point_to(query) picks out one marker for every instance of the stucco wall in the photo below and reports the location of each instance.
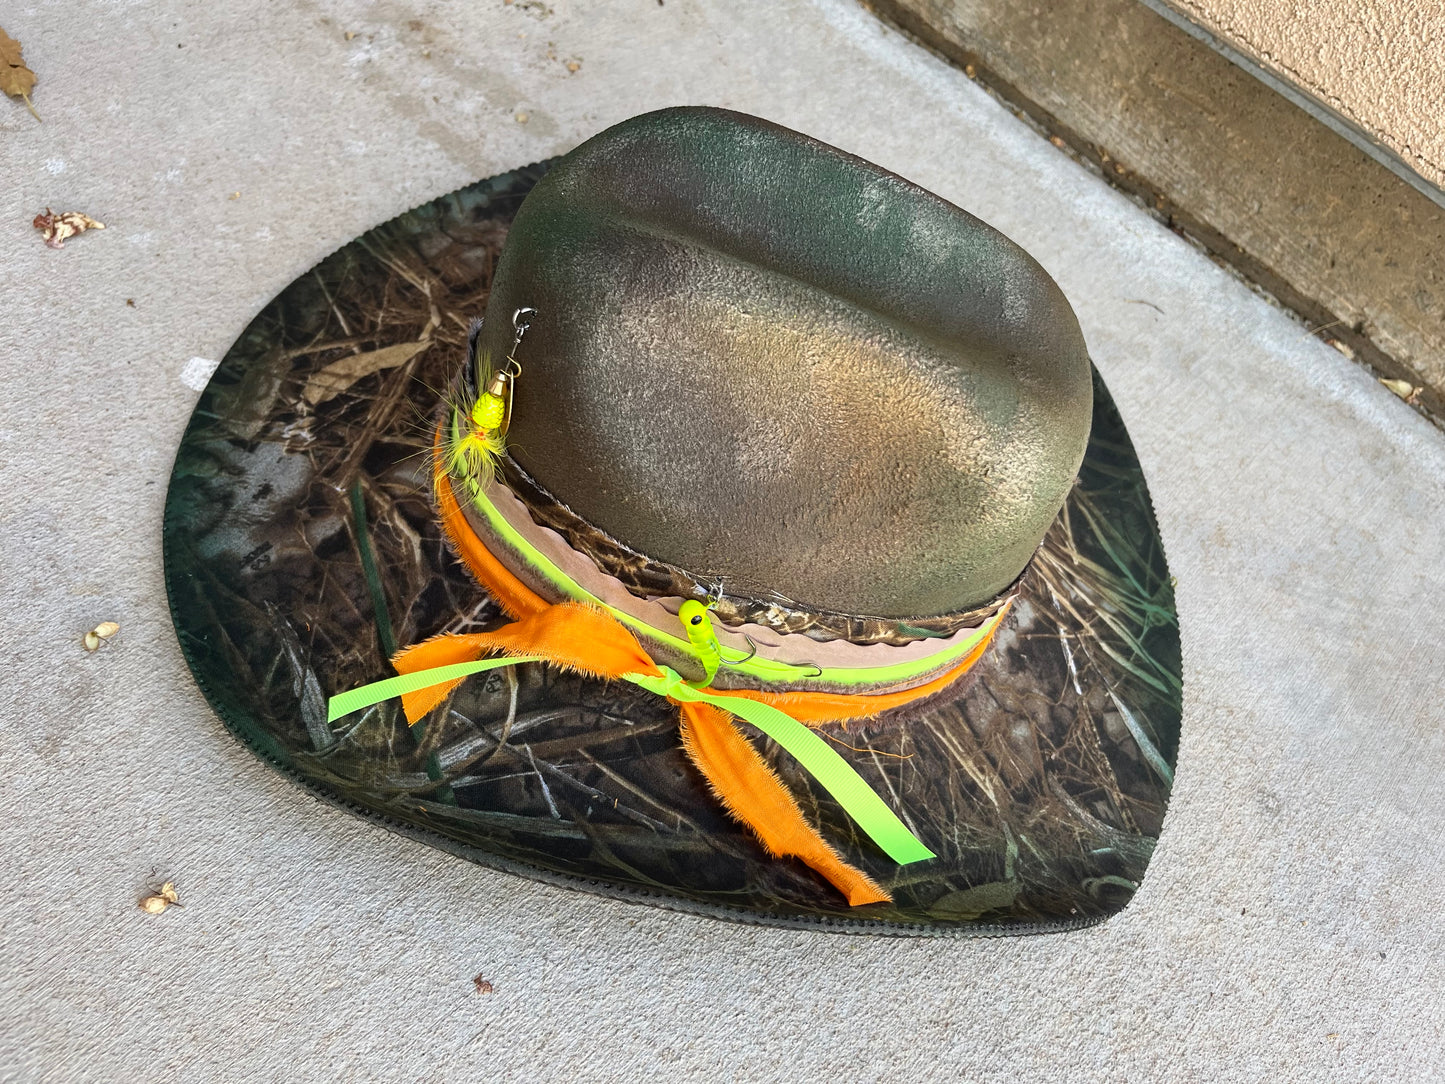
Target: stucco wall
(1378, 63)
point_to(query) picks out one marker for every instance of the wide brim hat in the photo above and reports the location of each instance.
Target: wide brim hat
(993, 753)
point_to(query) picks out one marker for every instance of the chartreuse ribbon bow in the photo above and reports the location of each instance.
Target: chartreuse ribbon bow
(584, 635)
(856, 797)
(583, 638)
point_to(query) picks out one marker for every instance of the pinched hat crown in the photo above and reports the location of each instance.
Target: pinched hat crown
(765, 361)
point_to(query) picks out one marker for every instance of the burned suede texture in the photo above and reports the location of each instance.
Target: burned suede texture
(759, 358)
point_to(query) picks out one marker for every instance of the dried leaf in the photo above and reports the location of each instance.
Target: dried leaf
(335, 378)
(1404, 389)
(57, 227)
(16, 79)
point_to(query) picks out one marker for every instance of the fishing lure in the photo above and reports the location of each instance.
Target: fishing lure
(477, 451)
(697, 622)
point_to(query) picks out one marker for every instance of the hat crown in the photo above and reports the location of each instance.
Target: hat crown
(759, 358)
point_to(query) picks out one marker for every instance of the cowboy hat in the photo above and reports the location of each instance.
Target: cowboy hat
(770, 549)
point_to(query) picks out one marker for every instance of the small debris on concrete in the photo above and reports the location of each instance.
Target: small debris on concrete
(56, 228)
(16, 79)
(521, 118)
(162, 896)
(98, 635)
(483, 986)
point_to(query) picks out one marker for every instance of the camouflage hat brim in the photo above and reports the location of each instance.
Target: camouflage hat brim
(302, 550)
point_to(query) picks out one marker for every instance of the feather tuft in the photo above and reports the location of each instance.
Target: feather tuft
(475, 452)
(475, 455)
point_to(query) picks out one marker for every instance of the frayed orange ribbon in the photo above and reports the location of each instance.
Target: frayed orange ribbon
(587, 640)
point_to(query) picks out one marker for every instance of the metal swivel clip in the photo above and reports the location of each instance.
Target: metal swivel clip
(492, 412)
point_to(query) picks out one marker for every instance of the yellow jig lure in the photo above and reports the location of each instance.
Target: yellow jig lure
(697, 622)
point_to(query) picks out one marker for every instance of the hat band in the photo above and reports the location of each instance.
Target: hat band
(751, 656)
(648, 577)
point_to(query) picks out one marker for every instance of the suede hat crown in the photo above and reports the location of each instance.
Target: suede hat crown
(763, 360)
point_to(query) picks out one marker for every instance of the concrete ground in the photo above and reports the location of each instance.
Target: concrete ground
(1288, 928)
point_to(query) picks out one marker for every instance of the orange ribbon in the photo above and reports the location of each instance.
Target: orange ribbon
(582, 638)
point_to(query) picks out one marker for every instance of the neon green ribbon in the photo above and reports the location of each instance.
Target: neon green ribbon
(367, 695)
(857, 798)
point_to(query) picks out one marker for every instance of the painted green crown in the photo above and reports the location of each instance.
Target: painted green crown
(759, 358)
